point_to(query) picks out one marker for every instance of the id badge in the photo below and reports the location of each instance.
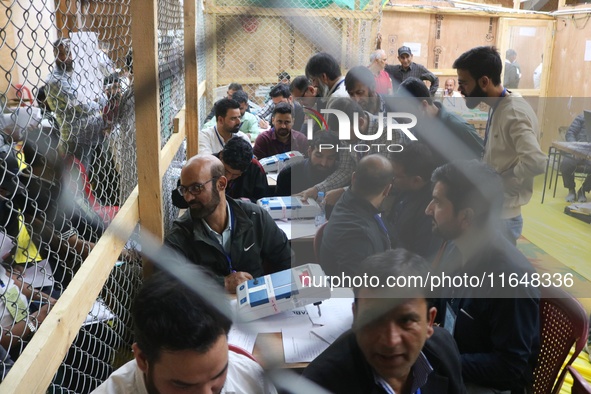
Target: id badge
(450, 319)
(15, 305)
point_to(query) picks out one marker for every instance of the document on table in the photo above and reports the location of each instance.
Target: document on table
(295, 229)
(301, 346)
(336, 318)
(242, 339)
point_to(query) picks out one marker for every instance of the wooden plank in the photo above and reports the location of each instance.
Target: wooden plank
(191, 117)
(334, 12)
(171, 148)
(147, 117)
(201, 89)
(463, 11)
(43, 355)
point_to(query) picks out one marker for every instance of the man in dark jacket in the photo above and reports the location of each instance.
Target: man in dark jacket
(355, 229)
(569, 165)
(230, 237)
(496, 327)
(393, 346)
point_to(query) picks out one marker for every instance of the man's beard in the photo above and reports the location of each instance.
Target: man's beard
(323, 89)
(233, 130)
(200, 210)
(282, 132)
(475, 97)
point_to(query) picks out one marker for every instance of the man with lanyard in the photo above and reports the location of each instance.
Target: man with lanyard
(393, 346)
(231, 238)
(227, 114)
(355, 229)
(325, 73)
(511, 142)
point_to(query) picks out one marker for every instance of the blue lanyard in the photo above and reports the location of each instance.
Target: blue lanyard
(337, 85)
(217, 134)
(381, 223)
(491, 112)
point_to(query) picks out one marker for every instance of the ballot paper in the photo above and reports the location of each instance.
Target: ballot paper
(301, 346)
(242, 339)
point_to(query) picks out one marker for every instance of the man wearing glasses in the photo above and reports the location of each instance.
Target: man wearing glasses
(231, 238)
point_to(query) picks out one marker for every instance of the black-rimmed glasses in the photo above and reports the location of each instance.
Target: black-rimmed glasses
(195, 189)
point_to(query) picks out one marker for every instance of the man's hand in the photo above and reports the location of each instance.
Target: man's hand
(309, 193)
(234, 279)
(263, 124)
(333, 196)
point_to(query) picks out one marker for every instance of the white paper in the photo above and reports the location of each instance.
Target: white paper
(39, 274)
(527, 31)
(242, 339)
(6, 244)
(300, 346)
(98, 313)
(295, 229)
(329, 333)
(588, 51)
(415, 47)
(272, 175)
(335, 311)
(296, 318)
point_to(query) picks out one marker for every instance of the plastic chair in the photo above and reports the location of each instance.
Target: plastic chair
(580, 385)
(563, 322)
(318, 242)
(239, 350)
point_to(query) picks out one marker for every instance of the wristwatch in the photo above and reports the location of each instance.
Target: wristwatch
(32, 327)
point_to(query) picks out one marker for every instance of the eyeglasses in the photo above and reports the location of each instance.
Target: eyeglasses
(195, 189)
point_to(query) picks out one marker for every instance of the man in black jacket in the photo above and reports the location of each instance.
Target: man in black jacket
(230, 237)
(393, 346)
(496, 326)
(355, 229)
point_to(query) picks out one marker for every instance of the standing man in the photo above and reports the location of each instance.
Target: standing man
(496, 328)
(511, 142)
(227, 115)
(407, 68)
(325, 73)
(81, 124)
(361, 86)
(231, 238)
(281, 137)
(377, 63)
(512, 71)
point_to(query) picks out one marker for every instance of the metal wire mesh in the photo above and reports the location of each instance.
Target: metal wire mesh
(67, 162)
(252, 43)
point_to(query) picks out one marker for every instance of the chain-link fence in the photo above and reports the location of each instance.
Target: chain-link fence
(254, 42)
(68, 147)
(68, 162)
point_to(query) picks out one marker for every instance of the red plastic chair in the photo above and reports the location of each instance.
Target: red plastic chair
(580, 385)
(318, 242)
(563, 323)
(239, 350)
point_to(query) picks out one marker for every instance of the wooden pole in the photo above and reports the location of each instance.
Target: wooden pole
(191, 78)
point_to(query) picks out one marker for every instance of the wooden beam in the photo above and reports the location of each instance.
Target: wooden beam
(173, 144)
(202, 89)
(330, 12)
(467, 12)
(191, 78)
(147, 117)
(46, 351)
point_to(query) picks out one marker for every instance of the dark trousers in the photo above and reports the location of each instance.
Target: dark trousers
(568, 167)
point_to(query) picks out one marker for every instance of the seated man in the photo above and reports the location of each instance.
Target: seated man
(249, 123)
(409, 227)
(355, 229)
(321, 162)
(448, 135)
(281, 137)
(393, 346)
(227, 115)
(232, 88)
(569, 165)
(246, 177)
(181, 344)
(231, 238)
(496, 328)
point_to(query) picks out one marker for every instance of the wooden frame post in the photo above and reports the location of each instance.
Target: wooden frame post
(191, 79)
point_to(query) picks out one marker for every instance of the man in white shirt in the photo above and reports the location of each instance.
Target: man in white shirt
(181, 344)
(228, 118)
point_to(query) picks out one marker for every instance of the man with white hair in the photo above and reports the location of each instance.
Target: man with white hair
(377, 65)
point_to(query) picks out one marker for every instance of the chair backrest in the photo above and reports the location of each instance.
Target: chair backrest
(318, 241)
(563, 323)
(239, 350)
(580, 385)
